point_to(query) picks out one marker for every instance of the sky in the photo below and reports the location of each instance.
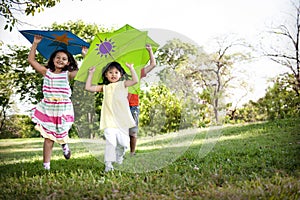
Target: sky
(198, 21)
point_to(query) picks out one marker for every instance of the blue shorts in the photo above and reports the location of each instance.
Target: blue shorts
(135, 111)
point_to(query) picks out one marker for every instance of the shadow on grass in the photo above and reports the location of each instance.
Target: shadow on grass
(20, 145)
(31, 169)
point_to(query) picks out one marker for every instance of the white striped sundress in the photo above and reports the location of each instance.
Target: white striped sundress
(54, 115)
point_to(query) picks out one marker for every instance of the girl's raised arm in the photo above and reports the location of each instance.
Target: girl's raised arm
(31, 57)
(134, 76)
(152, 60)
(72, 74)
(88, 84)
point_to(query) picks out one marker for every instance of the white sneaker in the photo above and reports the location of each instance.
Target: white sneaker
(108, 167)
(120, 155)
(120, 160)
(66, 151)
(46, 166)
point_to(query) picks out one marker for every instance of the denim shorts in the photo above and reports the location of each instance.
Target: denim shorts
(135, 111)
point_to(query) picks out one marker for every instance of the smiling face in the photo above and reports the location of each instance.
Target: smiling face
(60, 60)
(113, 75)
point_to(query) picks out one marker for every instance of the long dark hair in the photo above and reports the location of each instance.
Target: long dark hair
(72, 62)
(110, 66)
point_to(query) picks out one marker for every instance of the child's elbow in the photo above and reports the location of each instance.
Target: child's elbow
(30, 60)
(87, 88)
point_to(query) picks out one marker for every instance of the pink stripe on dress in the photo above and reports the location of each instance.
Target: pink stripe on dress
(55, 88)
(58, 136)
(52, 119)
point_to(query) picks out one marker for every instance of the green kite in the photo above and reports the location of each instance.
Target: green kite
(126, 44)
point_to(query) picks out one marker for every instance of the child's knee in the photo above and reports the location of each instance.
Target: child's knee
(48, 142)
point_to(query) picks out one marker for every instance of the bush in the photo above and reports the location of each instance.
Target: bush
(19, 126)
(160, 111)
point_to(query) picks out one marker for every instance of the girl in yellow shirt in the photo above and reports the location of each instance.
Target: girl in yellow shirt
(116, 118)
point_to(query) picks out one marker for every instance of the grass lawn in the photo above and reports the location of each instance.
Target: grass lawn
(253, 161)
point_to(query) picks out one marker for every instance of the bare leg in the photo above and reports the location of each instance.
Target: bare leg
(132, 145)
(48, 145)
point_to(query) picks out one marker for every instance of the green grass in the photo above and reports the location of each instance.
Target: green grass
(254, 161)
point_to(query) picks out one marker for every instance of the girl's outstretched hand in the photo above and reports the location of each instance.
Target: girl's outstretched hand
(37, 39)
(129, 65)
(134, 80)
(84, 50)
(92, 69)
(148, 47)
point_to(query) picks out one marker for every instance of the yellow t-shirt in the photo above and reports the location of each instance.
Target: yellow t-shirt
(115, 112)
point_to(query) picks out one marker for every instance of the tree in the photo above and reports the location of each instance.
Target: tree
(280, 101)
(160, 111)
(285, 46)
(9, 9)
(6, 85)
(175, 53)
(209, 75)
(176, 57)
(17, 80)
(217, 70)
